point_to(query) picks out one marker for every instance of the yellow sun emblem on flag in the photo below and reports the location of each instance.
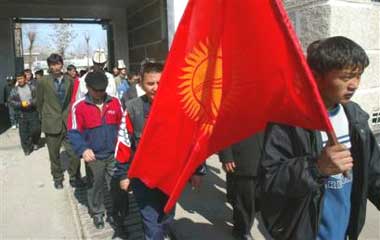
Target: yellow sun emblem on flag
(201, 91)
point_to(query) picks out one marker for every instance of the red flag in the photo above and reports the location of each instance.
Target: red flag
(233, 66)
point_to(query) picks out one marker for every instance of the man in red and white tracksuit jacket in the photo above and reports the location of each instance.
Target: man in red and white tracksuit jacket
(93, 135)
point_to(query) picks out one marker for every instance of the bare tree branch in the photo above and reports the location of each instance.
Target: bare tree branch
(62, 36)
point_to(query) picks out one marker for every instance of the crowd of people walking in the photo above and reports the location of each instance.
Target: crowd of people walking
(295, 177)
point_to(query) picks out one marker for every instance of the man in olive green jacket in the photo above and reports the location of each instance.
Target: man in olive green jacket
(53, 101)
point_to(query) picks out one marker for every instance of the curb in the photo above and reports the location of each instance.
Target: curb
(74, 208)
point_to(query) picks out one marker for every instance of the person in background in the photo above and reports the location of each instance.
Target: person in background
(115, 72)
(82, 73)
(13, 113)
(39, 74)
(99, 60)
(134, 90)
(240, 161)
(121, 80)
(29, 77)
(23, 98)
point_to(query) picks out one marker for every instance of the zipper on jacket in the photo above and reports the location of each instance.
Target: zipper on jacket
(317, 146)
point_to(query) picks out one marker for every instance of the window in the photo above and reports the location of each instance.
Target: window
(375, 120)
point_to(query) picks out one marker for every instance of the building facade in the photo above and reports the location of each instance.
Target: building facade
(145, 28)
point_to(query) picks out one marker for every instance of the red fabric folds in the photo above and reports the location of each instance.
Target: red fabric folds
(233, 67)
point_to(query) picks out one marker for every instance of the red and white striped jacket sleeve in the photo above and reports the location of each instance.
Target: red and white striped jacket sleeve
(123, 145)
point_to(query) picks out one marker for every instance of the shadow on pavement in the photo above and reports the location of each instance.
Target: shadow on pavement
(210, 203)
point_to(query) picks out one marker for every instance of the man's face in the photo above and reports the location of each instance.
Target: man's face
(21, 81)
(150, 84)
(123, 71)
(38, 77)
(134, 79)
(97, 95)
(28, 76)
(115, 71)
(338, 86)
(72, 73)
(56, 68)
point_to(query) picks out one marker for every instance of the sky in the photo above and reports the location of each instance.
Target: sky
(98, 36)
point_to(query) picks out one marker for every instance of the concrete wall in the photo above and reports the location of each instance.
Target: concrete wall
(147, 32)
(116, 15)
(175, 9)
(356, 19)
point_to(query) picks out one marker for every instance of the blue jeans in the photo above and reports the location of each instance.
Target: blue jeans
(151, 203)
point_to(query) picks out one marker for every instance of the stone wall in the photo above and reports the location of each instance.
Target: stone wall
(356, 19)
(147, 32)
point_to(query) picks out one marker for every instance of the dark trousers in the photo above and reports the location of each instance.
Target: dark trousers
(29, 127)
(13, 115)
(120, 200)
(100, 172)
(243, 202)
(151, 203)
(54, 143)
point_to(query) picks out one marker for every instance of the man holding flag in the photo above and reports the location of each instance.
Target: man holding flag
(210, 98)
(312, 188)
(233, 67)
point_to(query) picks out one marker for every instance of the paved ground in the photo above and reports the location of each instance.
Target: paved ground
(32, 209)
(133, 223)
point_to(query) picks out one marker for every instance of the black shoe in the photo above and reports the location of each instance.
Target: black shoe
(112, 221)
(98, 221)
(77, 182)
(27, 152)
(35, 147)
(58, 184)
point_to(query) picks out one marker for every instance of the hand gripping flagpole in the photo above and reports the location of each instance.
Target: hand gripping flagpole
(332, 140)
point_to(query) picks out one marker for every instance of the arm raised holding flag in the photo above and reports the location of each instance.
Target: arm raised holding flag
(233, 67)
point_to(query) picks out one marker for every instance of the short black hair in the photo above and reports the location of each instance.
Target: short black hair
(82, 72)
(20, 74)
(151, 67)
(71, 67)
(39, 72)
(336, 53)
(54, 58)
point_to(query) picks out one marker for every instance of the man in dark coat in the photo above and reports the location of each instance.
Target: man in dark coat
(240, 162)
(312, 188)
(53, 100)
(23, 98)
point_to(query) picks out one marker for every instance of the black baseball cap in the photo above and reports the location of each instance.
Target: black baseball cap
(97, 80)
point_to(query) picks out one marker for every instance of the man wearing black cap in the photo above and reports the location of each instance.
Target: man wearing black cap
(93, 135)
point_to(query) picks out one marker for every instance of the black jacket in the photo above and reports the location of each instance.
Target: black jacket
(246, 155)
(291, 187)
